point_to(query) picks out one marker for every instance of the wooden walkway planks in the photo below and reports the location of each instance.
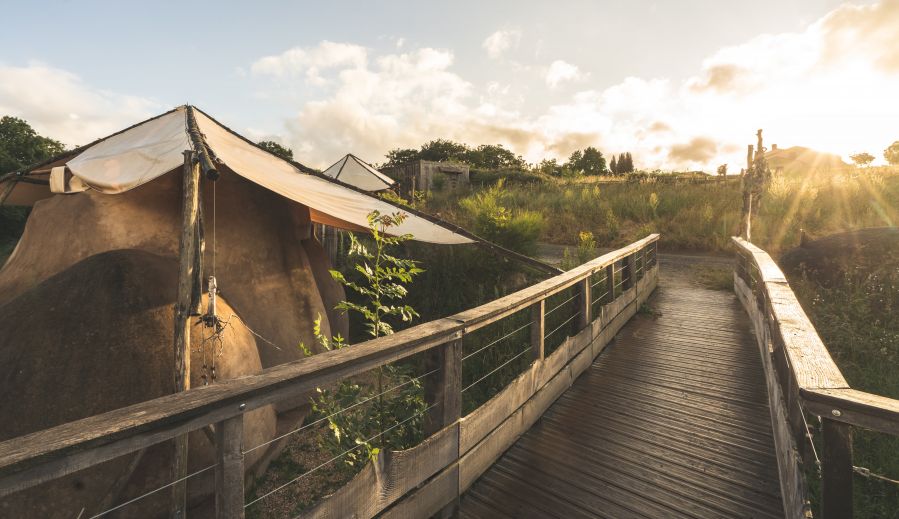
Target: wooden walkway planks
(670, 421)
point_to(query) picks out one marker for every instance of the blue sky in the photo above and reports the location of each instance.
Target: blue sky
(540, 77)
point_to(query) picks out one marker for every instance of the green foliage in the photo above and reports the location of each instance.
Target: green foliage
(485, 156)
(589, 161)
(854, 312)
(276, 149)
(517, 230)
(400, 156)
(371, 422)
(585, 251)
(862, 159)
(21, 146)
(891, 154)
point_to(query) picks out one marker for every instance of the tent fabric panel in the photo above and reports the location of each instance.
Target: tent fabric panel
(359, 174)
(134, 157)
(334, 170)
(317, 193)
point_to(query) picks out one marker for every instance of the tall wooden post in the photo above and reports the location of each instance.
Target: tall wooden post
(610, 283)
(188, 274)
(746, 213)
(583, 305)
(836, 470)
(538, 329)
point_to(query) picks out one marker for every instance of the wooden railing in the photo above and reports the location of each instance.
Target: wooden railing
(802, 378)
(419, 481)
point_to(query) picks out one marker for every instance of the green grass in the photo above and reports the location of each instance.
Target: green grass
(690, 216)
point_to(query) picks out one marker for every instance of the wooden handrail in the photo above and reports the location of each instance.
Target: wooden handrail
(807, 377)
(45, 455)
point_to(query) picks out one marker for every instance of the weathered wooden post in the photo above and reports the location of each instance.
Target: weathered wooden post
(443, 393)
(443, 389)
(188, 275)
(538, 329)
(836, 469)
(745, 213)
(229, 468)
(610, 281)
(583, 304)
(630, 263)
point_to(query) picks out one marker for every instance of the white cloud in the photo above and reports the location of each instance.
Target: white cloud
(311, 62)
(501, 41)
(561, 71)
(58, 104)
(801, 87)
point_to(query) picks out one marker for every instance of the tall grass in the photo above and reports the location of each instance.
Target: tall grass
(690, 216)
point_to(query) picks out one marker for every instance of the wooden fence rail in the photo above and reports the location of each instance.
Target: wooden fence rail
(802, 378)
(415, 482)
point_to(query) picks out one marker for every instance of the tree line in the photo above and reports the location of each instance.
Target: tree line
(588, 161)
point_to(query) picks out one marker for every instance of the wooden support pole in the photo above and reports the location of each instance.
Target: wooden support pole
(583, 305)
(187, 274)
(229, 468)
(629, 269)
(538, 329)
(836, 470)
(746, 213)
(610, 282)
(443, 389)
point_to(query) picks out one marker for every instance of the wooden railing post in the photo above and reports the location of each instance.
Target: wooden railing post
(538, 328)
(836, 470)
(610, 281)
(229, 468)
(583, 305)
(443, 389)
(629, 269)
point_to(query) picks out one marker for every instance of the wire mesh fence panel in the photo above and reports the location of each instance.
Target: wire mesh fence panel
(493, 356)
(562, 310)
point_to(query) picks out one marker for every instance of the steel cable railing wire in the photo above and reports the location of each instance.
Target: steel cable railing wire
(335, 458)
(345, 409)
(560, 305)
(138, 498)
(504, 337)
(504, 364)
(548, 335)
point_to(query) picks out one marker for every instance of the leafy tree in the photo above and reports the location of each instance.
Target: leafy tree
(722, 170)
(629, 163)
(613, 166)
(442, 150)
(399, 156)
(862, 159)
(590, 161)
(21, 146)
(891, 154)
(276, 149)
(549, 167)
(493, 156)
(381, 280)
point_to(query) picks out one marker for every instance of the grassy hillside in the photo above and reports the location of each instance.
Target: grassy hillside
(690, 216)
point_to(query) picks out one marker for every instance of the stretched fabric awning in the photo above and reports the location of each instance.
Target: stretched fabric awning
(356, 172)
(150, 149)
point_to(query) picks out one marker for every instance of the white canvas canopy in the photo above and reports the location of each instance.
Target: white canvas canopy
(150, 149)
(356, 172)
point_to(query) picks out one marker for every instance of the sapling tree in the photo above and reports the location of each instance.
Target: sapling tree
(379, 279)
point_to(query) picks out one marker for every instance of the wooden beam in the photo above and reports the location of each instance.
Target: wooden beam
(583, 305)
(187, 283)
(229, 469)
(836, 470)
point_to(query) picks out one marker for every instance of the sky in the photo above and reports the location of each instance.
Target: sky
(681, 85)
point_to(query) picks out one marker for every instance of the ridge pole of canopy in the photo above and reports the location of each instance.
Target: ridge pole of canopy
(207, 164)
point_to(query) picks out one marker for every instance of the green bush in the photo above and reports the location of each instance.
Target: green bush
(517, 230)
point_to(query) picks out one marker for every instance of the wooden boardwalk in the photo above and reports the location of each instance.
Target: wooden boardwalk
(671, 420)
